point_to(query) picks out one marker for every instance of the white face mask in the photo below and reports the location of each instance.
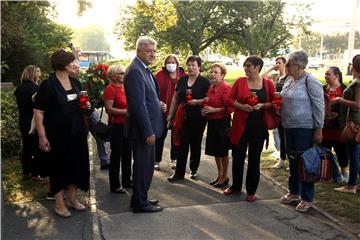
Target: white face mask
(171, 67)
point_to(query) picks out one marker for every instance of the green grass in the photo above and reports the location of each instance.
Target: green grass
(15, 189)
(339, 204)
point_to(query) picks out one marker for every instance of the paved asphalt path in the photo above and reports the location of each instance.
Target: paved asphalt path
(192, 210)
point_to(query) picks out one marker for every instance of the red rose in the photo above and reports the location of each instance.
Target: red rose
(99, 66)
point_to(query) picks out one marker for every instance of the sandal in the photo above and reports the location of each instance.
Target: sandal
(64, 214)
(346, 189)
(288, 198)
(76, 206)
(303, 206)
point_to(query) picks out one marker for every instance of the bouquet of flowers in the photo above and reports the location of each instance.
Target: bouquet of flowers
(94, 81)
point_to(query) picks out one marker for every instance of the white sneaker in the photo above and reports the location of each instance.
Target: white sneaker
(345, 177)
(157, 166)
(173, 164)
(279, 164)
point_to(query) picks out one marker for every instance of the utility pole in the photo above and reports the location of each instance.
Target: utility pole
(321, 46)
(351, 41)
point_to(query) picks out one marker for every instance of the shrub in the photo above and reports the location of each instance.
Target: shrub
(10, 131)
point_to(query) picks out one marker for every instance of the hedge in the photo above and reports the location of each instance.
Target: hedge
(10, 131)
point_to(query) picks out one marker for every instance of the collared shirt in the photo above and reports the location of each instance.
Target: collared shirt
(217, 99)
(147, 69)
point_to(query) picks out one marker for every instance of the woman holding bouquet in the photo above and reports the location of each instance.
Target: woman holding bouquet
(116, 108)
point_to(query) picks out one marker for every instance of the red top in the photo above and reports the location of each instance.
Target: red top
(217, 99)
(331, 130)
(167, 85)
(240, 92)
(116, 93)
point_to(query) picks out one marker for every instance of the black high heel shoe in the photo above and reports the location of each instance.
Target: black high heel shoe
(223, 184)
(214, 181)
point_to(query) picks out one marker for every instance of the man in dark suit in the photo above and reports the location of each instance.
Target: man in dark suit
(144, 123)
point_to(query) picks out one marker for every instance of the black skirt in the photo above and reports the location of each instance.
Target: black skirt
(217, 140)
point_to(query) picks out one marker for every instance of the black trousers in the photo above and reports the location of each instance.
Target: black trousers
(29, 157)
(192, 137)
(340, 151)
(253, 138)
(282, 142)
(120, 152)
(143, 171)
(160, 146)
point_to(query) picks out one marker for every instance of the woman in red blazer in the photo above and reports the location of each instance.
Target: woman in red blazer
(249, 97)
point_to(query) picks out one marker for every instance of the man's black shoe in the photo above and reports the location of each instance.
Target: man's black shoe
(105, 167)
(147, 209)
(173, 178)
(153, 202)
(128, 185)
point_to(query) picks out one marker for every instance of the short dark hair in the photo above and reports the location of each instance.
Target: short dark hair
(281, 58)
(194, 58)
(256, 61)
(356, 63)
(60, 59)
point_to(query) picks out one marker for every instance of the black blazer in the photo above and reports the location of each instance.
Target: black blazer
(23, 94)
(142, 95)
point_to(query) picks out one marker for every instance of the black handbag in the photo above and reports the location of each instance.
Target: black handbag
(102, 130)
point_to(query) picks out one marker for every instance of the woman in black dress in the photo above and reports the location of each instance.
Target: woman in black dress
(24, 92)
(60, 126)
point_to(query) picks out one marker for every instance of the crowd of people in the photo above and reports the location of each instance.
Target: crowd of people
(143, 106)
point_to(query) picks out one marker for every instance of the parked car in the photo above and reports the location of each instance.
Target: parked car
(313, 64)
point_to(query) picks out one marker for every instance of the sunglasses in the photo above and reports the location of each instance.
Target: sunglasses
(121, 73)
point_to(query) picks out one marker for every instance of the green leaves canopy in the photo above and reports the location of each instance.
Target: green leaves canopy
(28, 36)
(247, 27)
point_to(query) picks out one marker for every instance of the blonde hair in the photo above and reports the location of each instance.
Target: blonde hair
(31, 73)
(114, 69)
(221, 66)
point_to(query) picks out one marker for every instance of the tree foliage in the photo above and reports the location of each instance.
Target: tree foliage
(82, 6)
(333, 44)
(91, 38)
(28, 36)
(246, 26)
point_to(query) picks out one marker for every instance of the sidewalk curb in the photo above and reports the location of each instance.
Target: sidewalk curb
(321, 211)
(95, 221)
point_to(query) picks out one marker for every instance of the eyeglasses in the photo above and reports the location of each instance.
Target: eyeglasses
(121, 73)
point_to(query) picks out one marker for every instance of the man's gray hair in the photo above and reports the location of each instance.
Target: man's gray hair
(144, 40)
(299, 57)
(115, 69)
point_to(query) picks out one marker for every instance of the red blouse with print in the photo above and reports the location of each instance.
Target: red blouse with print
(331, 130)
(217, 99)
(117, 94)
